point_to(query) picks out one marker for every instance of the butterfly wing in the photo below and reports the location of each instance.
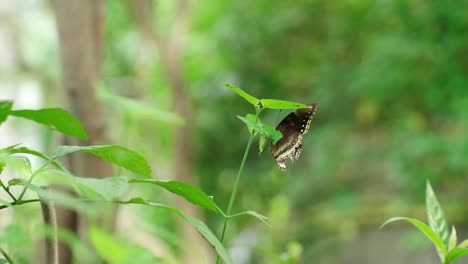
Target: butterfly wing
(293, 127)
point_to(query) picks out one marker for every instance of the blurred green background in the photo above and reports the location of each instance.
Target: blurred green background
(391, 81)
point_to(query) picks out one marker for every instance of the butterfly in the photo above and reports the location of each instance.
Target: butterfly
(293, 127)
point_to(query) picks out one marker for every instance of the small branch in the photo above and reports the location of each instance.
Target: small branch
(10, 261)
(7, 190)
(20, 202)
(31, 179)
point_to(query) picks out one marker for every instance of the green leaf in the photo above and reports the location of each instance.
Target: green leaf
(55, 118)
(107, 188)
(192, 193)
(61, 198)
(260, 217)
(280, 104)
(6, 203)
(3, 261)
(5, 108)
(425, 229)
(273, 134)
(14, 181)
(262, 143)
(118, 155)
(453, 239)
(436, 217)
(464, 244)
(199, 226)
(140, 109)
(25, 150)
(249, 98)
(251, 124)
(107, 247)
(91, 188)
(454, 254)
(116, 251)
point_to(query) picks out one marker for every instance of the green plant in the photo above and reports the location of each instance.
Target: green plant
(266, 132)
(88, 190)
(437, 230)
(91, 190)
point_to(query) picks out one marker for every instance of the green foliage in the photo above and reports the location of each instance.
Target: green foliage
(118, 155)
(199, 225)
(437, 230)
(192, 193)
(54, 118)
(91, 190)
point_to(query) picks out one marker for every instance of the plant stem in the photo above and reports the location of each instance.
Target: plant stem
(6, 256)
(234, 190)
(20, 202)
(32, 178)
(8, 191)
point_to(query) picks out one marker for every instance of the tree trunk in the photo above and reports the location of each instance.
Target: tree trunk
(79, 26)
(171, 50)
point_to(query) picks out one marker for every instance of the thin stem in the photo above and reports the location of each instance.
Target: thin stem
(8, 191)
(234, 190)
(20, 202)
(31, 179)
(6, 256)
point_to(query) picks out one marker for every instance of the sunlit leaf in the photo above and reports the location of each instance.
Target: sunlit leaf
(140, 109)
(106, 188)
(192, 193)
(425, 229)
(199, 226)
(249, 98)
(262, 143)
(273, 134)
(453, 239)
(464, 244)
(455, 254)
(252, 125)
(61, 198)
(55, 118)
(436, 217)
(280, 104)
(116, 154)
(117, 251)
(260, 217)
(5, 107)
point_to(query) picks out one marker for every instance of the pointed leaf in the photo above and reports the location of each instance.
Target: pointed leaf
(260, 217)
(55, 118)
(453, 239)
(251, 124)
(192, 193)
(464, 244)
(280, 104)
(262, 143)
(116, 154)
(454, 254)
(107, 188)
(199, 226)
(249, 98)
(425, 229)
(140, 109)
(273, 134)
(5, 108)
(436, 217)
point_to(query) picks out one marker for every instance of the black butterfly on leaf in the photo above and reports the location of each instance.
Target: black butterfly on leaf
(293, 127)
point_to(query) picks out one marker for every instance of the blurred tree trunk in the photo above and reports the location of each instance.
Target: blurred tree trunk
(171, 50)
(79, 25)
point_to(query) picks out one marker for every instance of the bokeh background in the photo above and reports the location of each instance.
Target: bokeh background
(390, 78)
